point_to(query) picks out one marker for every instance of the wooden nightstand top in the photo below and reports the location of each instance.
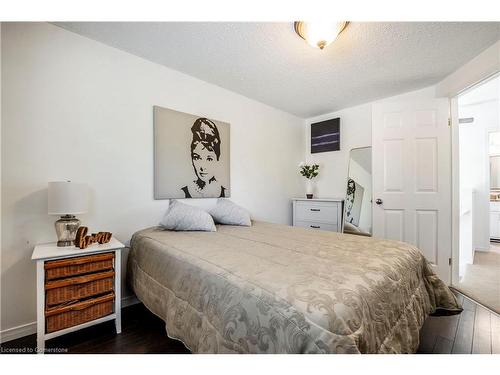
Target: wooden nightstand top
(51, 251)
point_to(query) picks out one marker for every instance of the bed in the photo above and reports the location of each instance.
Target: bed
(272, 288)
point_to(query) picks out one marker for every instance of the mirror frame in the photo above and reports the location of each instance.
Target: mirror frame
(345, 200)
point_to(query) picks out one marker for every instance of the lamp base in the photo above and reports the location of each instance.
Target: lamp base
(65, 243)
(66, 228)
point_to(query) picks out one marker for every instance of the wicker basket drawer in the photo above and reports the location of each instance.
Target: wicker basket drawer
(57, 269)
(79, 287)
(61, 317)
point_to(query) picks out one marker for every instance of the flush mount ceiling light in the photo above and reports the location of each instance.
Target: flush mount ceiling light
(319, 34)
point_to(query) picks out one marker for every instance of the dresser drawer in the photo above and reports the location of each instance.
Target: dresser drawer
(322, 212)
(77, 288)
(316, 225)
(57, 269)
(65, 316)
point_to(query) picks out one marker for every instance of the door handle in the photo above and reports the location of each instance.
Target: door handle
(315, 226)
(379, 201)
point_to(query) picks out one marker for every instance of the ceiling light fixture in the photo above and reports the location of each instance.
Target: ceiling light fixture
(319, 34)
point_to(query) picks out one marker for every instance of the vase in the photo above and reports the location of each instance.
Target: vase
(309, 188)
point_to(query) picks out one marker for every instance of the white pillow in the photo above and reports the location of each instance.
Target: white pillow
(227, 212)
(180, 216)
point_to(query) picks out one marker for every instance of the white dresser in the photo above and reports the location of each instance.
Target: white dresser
(323, 214)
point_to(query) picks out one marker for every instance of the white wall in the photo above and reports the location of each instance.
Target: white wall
(466, 222)
(474, 178)
(76, 109)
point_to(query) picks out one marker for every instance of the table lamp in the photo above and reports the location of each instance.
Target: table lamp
(67, 199)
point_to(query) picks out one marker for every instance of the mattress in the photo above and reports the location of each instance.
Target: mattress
(272, 288)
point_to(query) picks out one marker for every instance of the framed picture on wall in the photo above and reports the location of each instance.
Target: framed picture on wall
(325, 136)
(191, 155)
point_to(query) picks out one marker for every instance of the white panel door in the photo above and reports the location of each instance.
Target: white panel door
(412, 177)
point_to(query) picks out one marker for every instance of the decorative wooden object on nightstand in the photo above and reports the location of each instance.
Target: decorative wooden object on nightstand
(323, 214)
(76, 288)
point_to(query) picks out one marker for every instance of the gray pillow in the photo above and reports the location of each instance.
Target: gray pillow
(227, 212)
(180, 216)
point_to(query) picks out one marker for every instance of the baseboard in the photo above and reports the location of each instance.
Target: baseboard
(483, 249)
(17, 332)
(30, 328)
(129, 301)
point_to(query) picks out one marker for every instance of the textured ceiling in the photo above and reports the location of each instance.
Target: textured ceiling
(270, 63)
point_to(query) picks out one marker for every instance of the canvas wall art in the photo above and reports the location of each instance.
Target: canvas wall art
(325, 136)
(191, 156)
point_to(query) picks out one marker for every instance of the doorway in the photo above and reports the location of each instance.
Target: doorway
(476, 138)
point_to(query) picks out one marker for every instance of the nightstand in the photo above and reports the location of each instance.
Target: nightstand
(323, 214)
(76, 288)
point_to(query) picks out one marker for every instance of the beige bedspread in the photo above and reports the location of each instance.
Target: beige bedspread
(277, 289)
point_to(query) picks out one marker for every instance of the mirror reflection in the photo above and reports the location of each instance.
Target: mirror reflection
(358, 202)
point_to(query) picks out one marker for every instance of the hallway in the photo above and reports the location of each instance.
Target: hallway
(481, 279)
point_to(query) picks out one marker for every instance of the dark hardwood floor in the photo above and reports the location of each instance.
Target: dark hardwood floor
(142, 332)
(476, 330)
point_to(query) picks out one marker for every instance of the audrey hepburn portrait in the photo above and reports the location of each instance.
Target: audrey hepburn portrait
(205, 155)
(191, 156)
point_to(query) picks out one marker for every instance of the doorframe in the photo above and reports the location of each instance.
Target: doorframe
(455, 177)
(455, 191)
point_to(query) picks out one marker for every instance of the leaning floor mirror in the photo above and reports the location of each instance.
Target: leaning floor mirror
(358, 202)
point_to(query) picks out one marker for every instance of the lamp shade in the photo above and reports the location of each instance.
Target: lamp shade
(67, 198)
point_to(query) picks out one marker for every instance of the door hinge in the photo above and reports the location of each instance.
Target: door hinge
(449, 121)
(449, 261)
